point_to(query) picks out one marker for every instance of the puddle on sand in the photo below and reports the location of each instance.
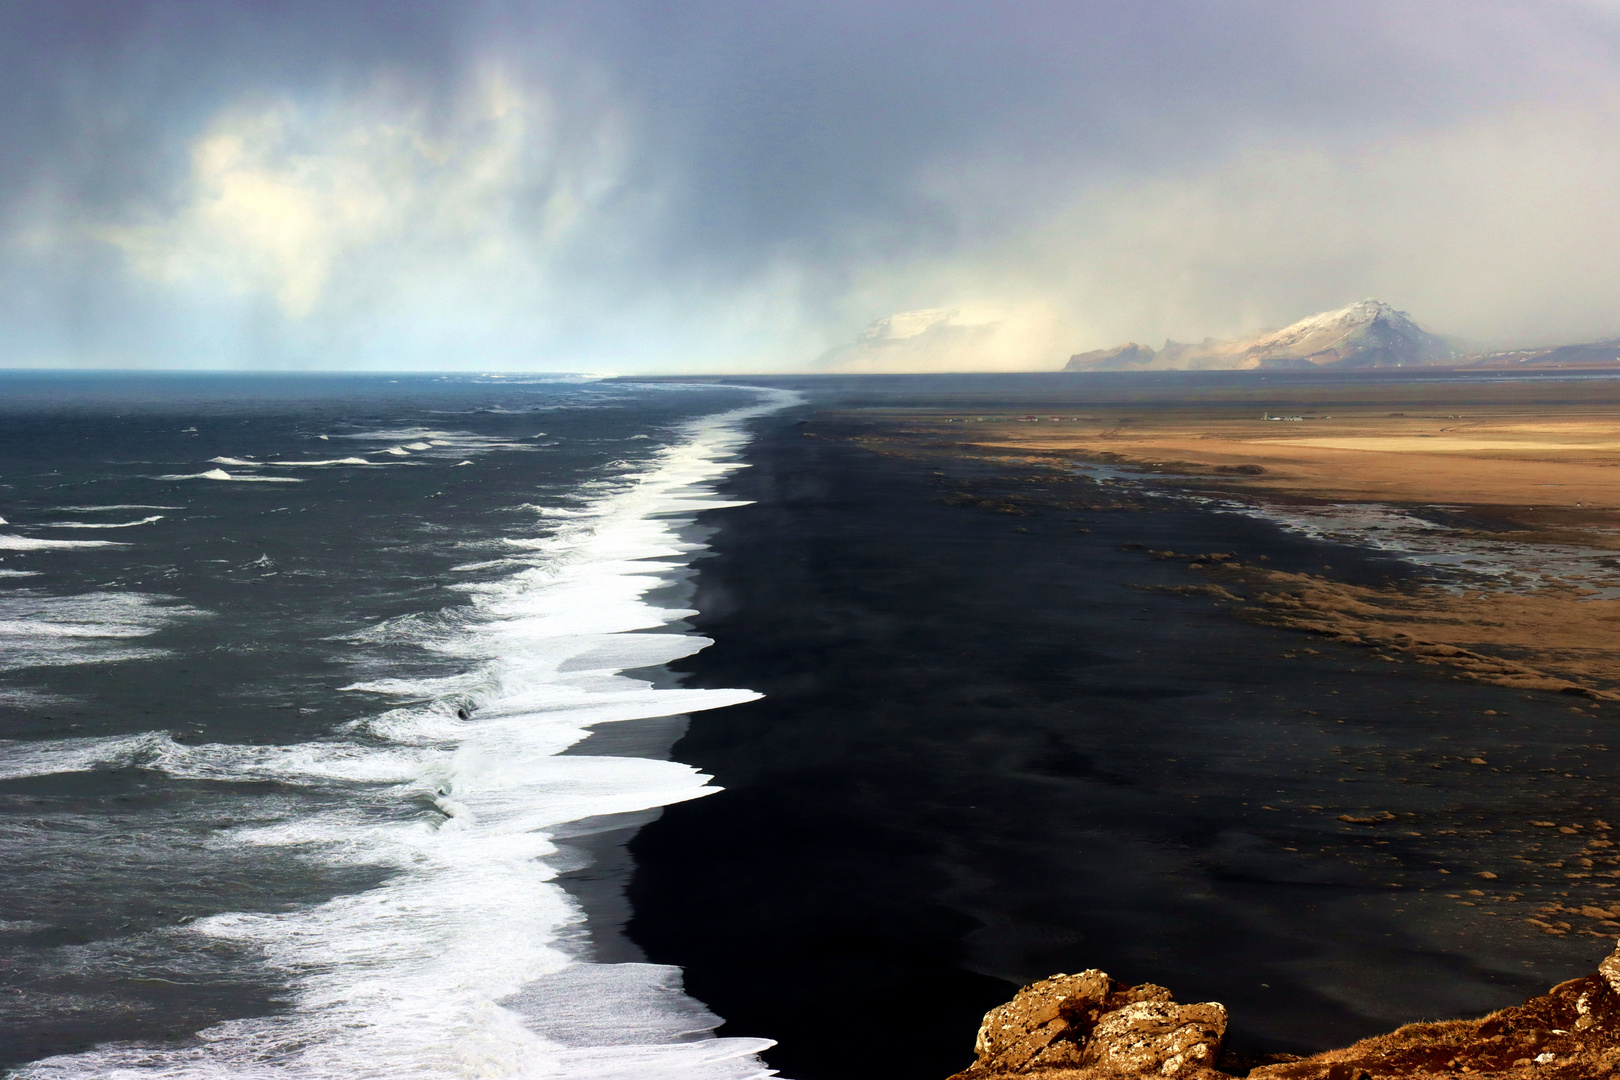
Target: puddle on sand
(1402, 532)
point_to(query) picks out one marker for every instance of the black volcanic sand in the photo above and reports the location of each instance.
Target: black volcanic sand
(986, 754)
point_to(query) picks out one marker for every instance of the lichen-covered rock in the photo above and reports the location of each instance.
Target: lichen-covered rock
(1157, 1038)
(1014, 1033)
(1610, 970)
(1089, 1026)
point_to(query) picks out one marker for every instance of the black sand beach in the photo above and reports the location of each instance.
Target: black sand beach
(989, 751)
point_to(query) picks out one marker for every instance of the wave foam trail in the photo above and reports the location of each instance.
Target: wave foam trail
(468, 961)
(9, 542)
(221, 474)
(41, 630)
(329, 461)
(115, 506)
(99, 525)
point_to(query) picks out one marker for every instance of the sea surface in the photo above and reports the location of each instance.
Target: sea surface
(297, 675)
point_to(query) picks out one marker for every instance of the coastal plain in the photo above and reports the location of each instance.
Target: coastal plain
(1511, 466)
(1531, 454)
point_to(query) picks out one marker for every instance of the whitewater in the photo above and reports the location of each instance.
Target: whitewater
(453, 788)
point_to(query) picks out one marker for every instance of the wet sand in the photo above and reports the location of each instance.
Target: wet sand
(1000, 739)
(1526, 468)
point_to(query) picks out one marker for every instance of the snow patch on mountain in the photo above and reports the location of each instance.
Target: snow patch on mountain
(1366, 334)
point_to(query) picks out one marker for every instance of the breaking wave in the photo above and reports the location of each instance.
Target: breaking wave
(221, 474)
(464, 961)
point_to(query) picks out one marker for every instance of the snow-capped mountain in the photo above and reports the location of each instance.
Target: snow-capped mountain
(1366, 334)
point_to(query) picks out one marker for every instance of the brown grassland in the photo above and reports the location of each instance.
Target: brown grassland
(1534, 465)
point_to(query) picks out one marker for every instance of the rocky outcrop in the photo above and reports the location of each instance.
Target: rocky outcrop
(1087, 1027)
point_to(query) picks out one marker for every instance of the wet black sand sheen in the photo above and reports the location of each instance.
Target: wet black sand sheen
(986, 754)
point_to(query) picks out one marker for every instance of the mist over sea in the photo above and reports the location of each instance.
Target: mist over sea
(290, 667)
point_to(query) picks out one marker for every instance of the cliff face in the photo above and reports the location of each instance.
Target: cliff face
(1367, 334)
(1088, 1027)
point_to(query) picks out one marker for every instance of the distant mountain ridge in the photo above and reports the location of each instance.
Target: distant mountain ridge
(1597, 354)
(1366, 334)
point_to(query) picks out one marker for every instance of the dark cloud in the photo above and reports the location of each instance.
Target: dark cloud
(756, 180)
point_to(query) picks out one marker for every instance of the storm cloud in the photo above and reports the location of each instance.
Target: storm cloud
(712, 185)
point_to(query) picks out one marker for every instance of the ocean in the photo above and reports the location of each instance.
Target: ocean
(309, 687)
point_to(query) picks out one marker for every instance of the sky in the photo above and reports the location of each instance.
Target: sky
(730, 186)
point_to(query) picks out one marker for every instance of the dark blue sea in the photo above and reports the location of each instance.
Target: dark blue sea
(294, 677)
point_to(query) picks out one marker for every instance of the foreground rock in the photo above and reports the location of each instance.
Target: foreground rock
(1088, 1027)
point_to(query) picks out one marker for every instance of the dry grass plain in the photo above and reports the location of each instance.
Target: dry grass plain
(1563, 468)
(1533, 466)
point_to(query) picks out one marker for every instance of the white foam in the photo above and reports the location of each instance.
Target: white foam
(488, 564)
(404, 441)
(221, 474)
(50, 757)
(9, 542)
(231, 461)
(99, 525)
(115, 506)
(329, 461)
(461, 964)
(41, 630)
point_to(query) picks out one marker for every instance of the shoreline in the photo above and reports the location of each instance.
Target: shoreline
(985, 754)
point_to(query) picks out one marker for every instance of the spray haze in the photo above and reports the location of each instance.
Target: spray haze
(719, 186)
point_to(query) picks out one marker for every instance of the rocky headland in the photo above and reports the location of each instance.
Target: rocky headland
(1092, 1027)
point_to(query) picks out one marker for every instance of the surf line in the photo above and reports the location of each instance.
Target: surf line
(464, 961)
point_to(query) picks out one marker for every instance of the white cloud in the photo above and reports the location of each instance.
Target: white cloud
(375, 204)
(948, 339)
(1502, 229)
(562, 217)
